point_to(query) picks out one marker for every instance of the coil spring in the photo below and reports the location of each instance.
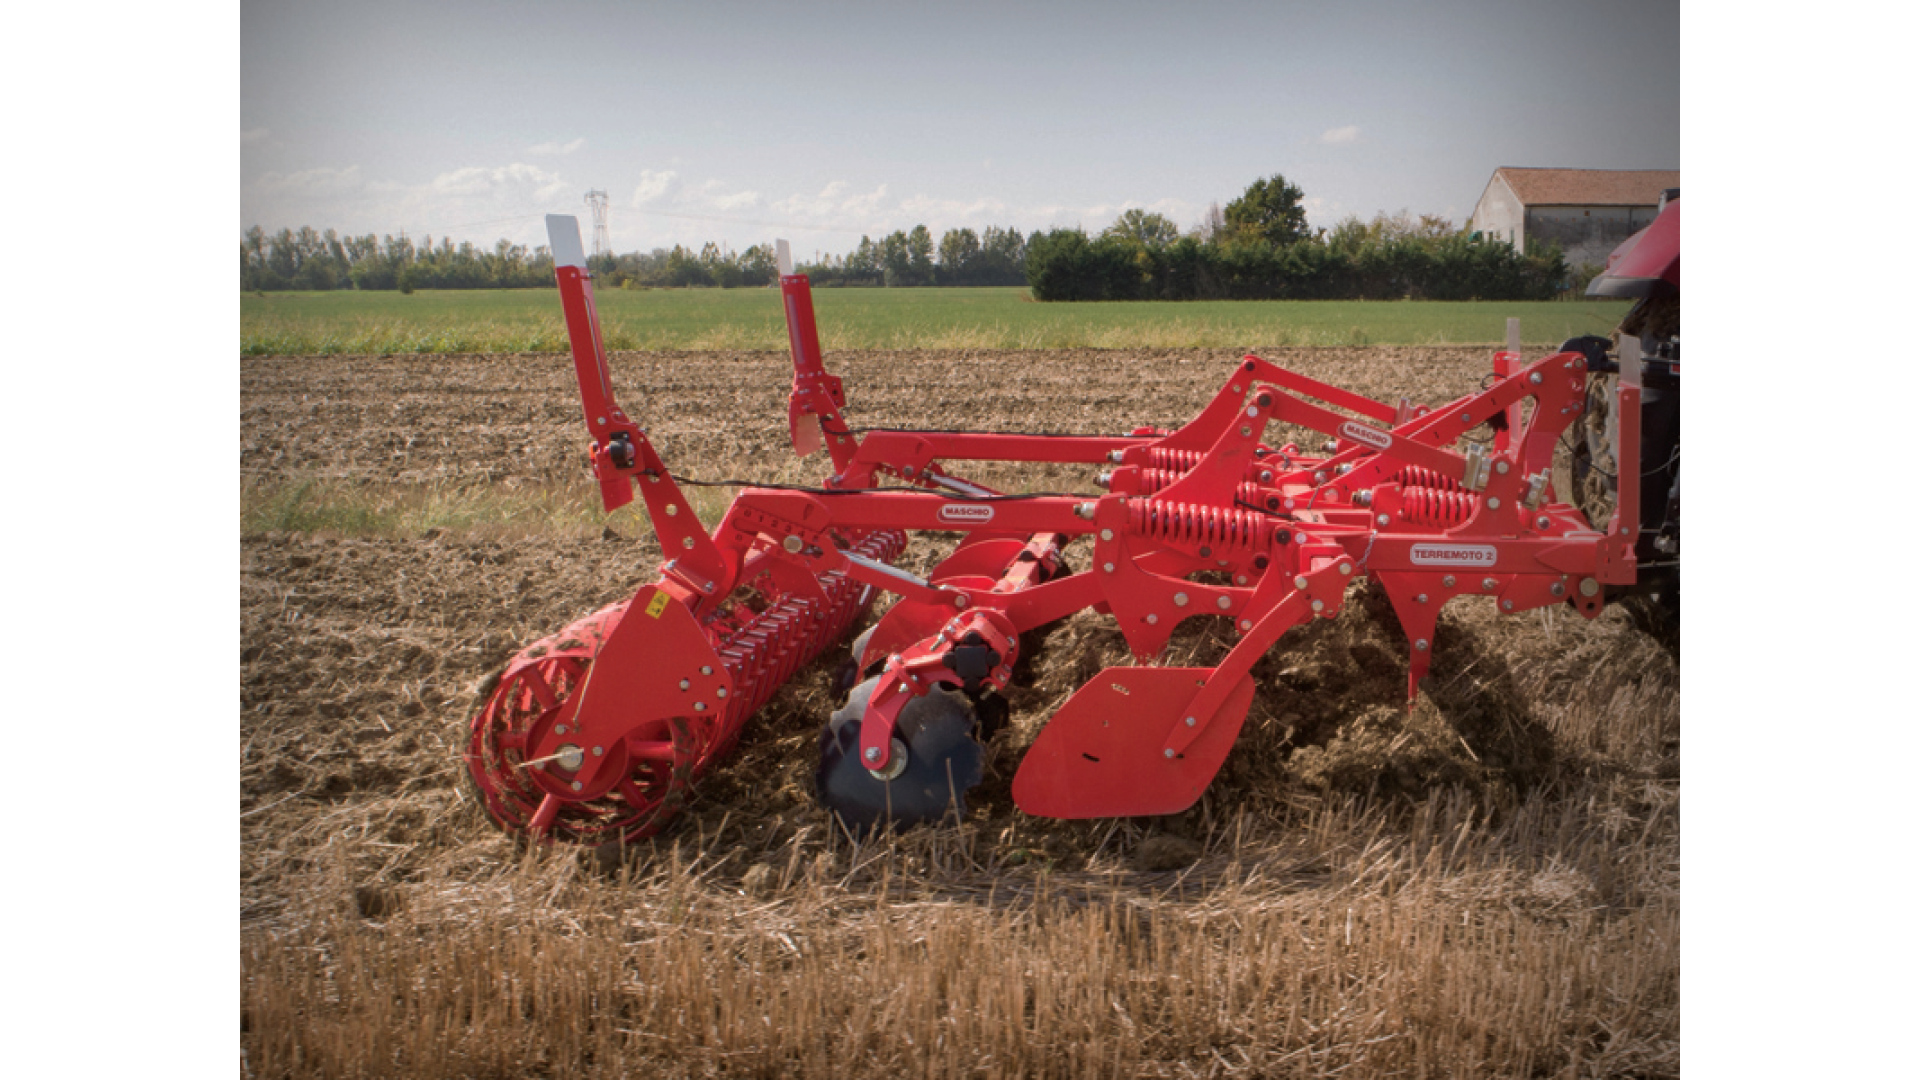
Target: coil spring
(1436, 507)
(1178, 461)
(1411, 476)
(1154, 481)
(1216, 527)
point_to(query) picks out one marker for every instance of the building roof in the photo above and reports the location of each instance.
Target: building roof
(1589, 187)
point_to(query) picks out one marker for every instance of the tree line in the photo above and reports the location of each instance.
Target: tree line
(1258, 247)
(309, 259)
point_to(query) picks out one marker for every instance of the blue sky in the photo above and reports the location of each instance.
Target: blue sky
(819, 122)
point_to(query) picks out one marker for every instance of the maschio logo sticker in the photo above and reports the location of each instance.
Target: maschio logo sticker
(1453, 555)
(1365, 435)
(966, 513)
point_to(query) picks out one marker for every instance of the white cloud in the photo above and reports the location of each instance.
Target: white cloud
(1350, 133)
(477, 203)
(832, 210)
(736, 200)
(654, 185)
(557, 147)
(866, 204)
(253, 135)
(516, 180)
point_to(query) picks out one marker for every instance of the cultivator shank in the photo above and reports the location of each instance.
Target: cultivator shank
(598, 732)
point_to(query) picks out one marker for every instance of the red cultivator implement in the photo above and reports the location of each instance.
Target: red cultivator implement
(598, 733)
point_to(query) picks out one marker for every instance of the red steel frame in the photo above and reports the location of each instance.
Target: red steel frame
(598, 732)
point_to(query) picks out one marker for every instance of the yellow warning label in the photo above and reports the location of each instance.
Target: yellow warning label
(656, 605)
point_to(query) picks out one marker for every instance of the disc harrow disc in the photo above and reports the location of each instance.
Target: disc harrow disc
(943, 761)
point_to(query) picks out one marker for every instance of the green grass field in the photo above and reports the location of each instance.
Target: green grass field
(528, 320)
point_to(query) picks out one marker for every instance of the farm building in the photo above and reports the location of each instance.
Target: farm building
(1589, 211)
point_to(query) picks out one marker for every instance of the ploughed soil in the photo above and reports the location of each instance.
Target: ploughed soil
(362, 649)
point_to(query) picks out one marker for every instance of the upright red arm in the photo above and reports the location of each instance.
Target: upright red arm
(814, 407)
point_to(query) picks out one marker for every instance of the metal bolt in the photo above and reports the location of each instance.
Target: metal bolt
(1542, 521)
(1506, 605)
(1108, 567)
(1225, 603)
(1500, 467)
(599, 750)
(1300, 582)
(560, 729)
(792, 544)
(1251, 411)
(960, 601)
(1246, 624)
(873, 753)
(1153, 620)
(673, 510)
(1420, 646)
(1245, 431)
(1534, 378)
(1289, 504)
(576, 785)
(1319, 605)
(1421, 599)
(686, 542)
(706, 669)
(1320, 477)
(1189, 721)
(602, 419)
(1343, 469)
(570, 757)
(1084, 510)
(684, 684)
(722, 692)
(1346, 568)
(1384, 519)
(1236, 388)
(1447, 581)
(1168, 751)
(699, 706)
(1589, 587)
(908, 471)
(1466, 418)
(1266, 476)
(1239, 579)
(1493, 502)
(1558, 589)
(1179, 599)
(1106, 534)
(1489, 584)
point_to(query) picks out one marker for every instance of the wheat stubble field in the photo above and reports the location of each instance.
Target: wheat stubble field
(1486, 887)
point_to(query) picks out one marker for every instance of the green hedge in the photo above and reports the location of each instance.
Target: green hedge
(1067, 265)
